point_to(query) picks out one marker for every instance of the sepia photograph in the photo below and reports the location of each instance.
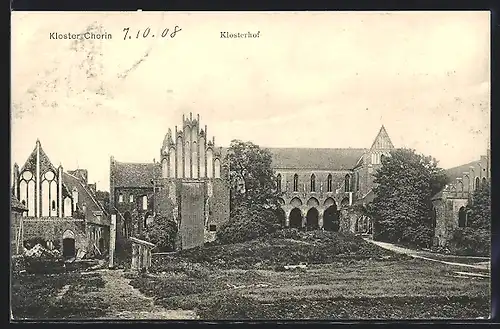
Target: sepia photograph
(250, 166)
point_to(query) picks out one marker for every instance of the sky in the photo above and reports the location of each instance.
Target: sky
(311, 79)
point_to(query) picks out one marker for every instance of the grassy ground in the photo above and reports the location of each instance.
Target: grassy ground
(364, 289)
(346, 278)
(56, 296)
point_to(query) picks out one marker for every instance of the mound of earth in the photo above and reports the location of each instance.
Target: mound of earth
(284, 247)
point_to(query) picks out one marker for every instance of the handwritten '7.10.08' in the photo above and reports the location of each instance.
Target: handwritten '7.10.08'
(146, 33)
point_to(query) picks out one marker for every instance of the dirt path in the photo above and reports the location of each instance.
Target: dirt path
(416, 254)
(126, 302)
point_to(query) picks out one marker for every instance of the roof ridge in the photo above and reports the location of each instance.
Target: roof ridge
(87, 191)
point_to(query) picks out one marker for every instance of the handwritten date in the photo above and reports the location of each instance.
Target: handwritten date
(146, 33)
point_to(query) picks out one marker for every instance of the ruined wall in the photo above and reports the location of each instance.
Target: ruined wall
(446, 218)
(51, 229)
(134, 207)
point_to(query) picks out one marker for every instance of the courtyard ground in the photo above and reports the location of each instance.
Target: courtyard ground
(363, 289)
(361, 281)
(101, 294)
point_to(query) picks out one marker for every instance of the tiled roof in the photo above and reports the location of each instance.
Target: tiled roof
(129, 174)
(316, 158)
(85, 195)
(16, 204)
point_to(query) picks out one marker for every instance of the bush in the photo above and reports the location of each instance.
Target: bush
(163, 233)
(471, 242)
(248, 225)
(419, 237)
(287, 247)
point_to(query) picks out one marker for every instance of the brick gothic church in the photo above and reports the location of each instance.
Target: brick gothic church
(57, 207)
(318, 185)
(190, 175)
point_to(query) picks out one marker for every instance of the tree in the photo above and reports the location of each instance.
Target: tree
(480, 209)
(254, 206)
(402, 207)
(253, 183)
(162, 231)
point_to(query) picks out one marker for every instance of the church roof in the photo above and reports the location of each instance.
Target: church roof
(382, 141)
(15, 204)
(128, 174)
(316, 158)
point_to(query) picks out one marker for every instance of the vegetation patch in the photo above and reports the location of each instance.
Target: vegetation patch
(365, 289)
(281, 248)
(41, 296)
(471, 242)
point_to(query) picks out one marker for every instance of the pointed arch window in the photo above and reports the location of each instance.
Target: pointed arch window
(295, 183)
(329, 183)
(313, 183)
(347, 183)
(278, 182)
(477, 183)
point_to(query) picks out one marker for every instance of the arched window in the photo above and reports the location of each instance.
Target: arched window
(329, 183)
(462, 217)
(295, 183)
(313, 183)
(477, 183)
(278, 182)
(217, 168)
(347, 183)
(484, 180)
(382, 157)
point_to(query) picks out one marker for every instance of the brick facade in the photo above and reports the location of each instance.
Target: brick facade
(57, 202)
(339, 179)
